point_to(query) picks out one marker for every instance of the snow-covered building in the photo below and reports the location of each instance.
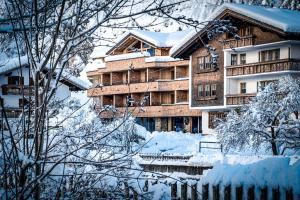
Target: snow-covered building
(138, 75)
(16, 81)
(269, 47)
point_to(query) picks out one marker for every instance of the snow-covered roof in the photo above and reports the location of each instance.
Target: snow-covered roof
(284, 19)
(99, 52)
(158, 39)
(183, 41)
(13, 64)
(127, 56)
(94, 65)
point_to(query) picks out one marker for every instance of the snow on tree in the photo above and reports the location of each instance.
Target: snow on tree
(270, 119)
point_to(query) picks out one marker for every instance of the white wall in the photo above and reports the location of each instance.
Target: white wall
(205, 119)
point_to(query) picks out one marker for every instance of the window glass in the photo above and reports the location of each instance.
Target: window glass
(200, 90)
(213, 89)
(243, 58)
(207, 90)
(233, 59)
(243, 88)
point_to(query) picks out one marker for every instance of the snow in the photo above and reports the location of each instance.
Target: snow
(183, 41)
(159, 39)
(99, 52)
(94, 65)
(161, 59)
(284, 19)
(13, 64)
(127, 56)
(273, 172)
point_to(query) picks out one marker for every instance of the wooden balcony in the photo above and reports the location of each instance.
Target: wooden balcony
(17, 90)
(157, 86)
(156, 111)
(239, 99)
(136, 63)
(243, 41)
(264, 67)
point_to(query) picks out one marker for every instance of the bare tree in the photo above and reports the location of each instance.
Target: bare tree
(271, 119)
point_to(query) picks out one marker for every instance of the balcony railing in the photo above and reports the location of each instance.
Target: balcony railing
(17, 90)
(263, 67)
(243, 41)
(239, 99)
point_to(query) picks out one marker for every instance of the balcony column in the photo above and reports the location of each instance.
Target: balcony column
(150, 99)
(147, 74)
(110, 77)
(128, 77)
(114, 100)
(101, 79)
(175, 96)
(175, 76)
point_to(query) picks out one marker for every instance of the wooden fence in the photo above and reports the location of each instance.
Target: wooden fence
(228, 192)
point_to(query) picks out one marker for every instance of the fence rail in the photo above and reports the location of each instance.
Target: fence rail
(201, 145)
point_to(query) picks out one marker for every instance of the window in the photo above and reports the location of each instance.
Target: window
(233, 59)
(213, 89)
(15, 80)
(262, 85)
(200, 90)
(243, 88)
(207, 90)
(204, 63)
(243, 58)
(269, 55)
(151, 51)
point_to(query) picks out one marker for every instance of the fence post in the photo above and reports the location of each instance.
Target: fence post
(183, 191)
(276, 193)
(174, 190)
(289, 194)
(250, 193)
(264, 193)
(205, 192)
(227, 192)
(126, 188)
(200, 146)
(216, 192)
(239, 193)
(146, 186)
(194, 195)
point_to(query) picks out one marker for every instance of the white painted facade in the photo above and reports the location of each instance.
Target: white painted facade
(287, 49)
(232, 84)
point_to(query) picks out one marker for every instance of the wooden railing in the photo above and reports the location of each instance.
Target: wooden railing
(17, 90)
(263, 67)
(243, 41)
(239, 99)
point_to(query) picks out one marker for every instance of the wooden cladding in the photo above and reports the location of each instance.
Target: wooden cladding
(243, 41)
(239, 99)
(263, 67)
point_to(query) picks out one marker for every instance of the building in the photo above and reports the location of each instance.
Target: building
(269, 47)
(139, 76)
(16, 80)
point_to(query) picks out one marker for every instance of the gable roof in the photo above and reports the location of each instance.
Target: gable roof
(157, 39)
(283, 20)
(13, 64)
